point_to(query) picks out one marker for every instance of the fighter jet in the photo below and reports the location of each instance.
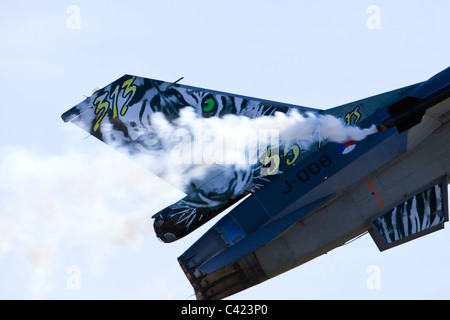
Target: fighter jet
(295, 203)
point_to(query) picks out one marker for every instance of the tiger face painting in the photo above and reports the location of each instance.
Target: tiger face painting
(123, 115)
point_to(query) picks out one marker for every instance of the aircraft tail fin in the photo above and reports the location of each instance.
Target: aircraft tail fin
(122, 115)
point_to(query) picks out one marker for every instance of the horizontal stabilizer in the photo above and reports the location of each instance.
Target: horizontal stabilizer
(256, 239)
(422, 213)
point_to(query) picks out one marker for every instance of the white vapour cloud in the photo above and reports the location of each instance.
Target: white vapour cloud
(74, 198)
(193, 146)
(191, 134)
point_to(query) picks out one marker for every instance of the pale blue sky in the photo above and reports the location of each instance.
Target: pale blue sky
(317, 54)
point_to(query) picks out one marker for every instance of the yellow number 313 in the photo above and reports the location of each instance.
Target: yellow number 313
(103, 102)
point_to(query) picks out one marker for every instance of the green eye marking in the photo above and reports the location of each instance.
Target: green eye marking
(208, 105)
(150, 141)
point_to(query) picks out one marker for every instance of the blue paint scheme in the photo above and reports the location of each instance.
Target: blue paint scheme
(257, 239)
(259, 217)
(267, 203)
